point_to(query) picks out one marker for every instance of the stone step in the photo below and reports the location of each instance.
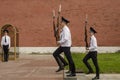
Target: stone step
(79, 76)
(68, 78)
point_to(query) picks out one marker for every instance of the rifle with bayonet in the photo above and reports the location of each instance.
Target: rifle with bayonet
(86, 36)
(56, 28)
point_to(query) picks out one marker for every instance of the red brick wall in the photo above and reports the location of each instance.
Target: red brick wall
(33, 18)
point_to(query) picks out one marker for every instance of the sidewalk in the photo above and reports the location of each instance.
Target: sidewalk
(30, 67)
(102, 77)
(40, 67)
(83, 76)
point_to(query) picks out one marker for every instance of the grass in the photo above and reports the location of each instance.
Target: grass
(108, 62)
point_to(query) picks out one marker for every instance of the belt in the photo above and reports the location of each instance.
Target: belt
(6, 45)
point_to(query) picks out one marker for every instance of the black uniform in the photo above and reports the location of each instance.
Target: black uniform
(61, 62)
(93, 56)
(6, 50)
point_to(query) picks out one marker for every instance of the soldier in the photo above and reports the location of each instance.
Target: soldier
(65, 45)
(92, 54)
(5, 44)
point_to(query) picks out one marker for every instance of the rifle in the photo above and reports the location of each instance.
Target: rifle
(56, 28)
(86, 37)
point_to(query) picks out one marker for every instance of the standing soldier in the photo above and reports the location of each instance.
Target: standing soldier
(92, 54)
(65, 45)
(5, 44)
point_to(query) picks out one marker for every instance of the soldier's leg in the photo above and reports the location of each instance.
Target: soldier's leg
(7, 55)
(56, 55)
(69, 58)
(63, 60)
(85, 60)
(95, 61)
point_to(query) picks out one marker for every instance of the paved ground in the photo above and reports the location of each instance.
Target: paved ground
(102, 77)
(30, 67)
(40, 67)
(83, 76)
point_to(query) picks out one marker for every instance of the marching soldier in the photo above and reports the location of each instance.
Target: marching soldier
(5, 44)
(65, 45)
(92, 54)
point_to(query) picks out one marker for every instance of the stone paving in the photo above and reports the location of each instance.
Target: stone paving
(30, 67)
(82, 76)
(40, 67)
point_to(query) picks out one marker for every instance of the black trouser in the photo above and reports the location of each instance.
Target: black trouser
(60, 60)
(6, 55)
(93, 56)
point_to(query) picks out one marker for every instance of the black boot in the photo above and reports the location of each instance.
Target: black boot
(90, 72)
(60, 69)
(68, 72)
(96, 78)
(71, 75)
